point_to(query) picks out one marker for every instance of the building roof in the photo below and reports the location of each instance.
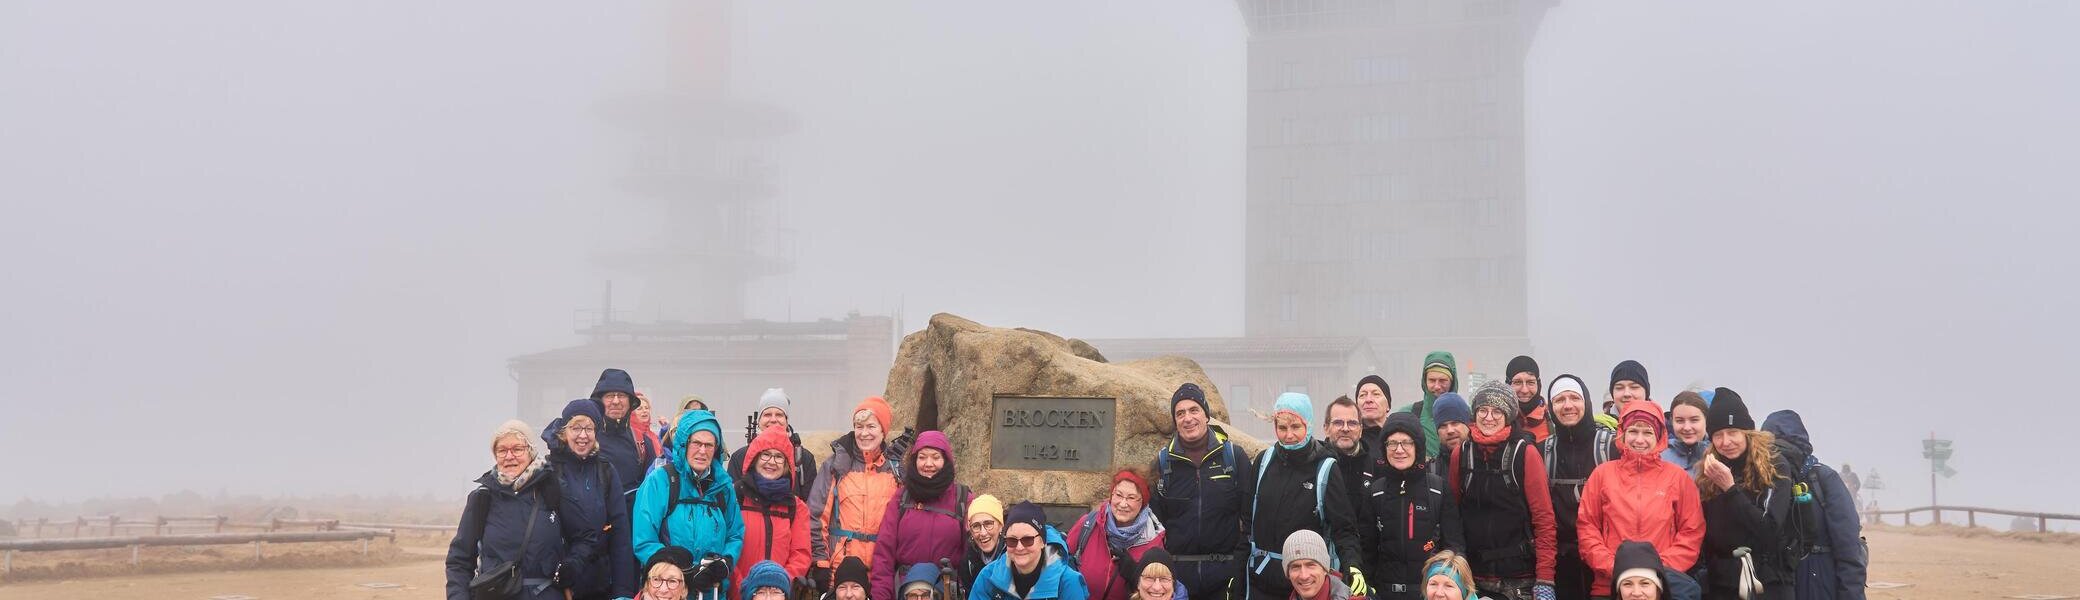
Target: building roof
(692, 351)
(1230, 348)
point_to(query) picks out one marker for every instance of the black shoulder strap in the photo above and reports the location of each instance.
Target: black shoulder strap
(480, 502)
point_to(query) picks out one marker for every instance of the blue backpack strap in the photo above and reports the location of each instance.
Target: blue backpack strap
(1321, 509)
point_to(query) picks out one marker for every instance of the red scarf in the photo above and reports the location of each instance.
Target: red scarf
(648, 435)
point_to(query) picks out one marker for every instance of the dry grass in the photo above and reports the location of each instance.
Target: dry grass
(1959, 531)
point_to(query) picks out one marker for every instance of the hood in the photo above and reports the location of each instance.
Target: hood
(924, 572)
(692, 421)
(1792, 440)
(935, 440)
(1652, 412)
(1439, 359)
(773, 438)
(1404, 423)
(1635, 554)
(579, 407)
(615, 380)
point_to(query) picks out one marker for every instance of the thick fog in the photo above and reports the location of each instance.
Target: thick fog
(287, 249)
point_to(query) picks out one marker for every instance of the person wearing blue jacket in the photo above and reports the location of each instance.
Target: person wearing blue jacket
(511, 518)
(701, 514)
(591, 502)
(1031, 567)
(616, 396)
(1835, 566)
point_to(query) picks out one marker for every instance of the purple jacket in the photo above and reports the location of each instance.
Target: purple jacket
(920, 532)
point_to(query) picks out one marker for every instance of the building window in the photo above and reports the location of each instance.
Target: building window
(1289, 306)
(1296, 388)
(1289, 75)
(1369, 70)
(1488, 152)
(1239, 396)
(1289, 131)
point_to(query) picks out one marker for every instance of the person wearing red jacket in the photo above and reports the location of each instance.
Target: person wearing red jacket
(1639, 497)
(1504, 502)
(776, 522)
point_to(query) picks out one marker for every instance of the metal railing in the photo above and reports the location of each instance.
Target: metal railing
(136, 544)
(1971, 515)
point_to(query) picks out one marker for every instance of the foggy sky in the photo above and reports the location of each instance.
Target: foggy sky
(287, 249)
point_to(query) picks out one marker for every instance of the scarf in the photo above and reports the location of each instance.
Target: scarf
(1500, 435)
(1194, 451)
(646, 439)
(1122, 537)
(776, 489)
(927, 488)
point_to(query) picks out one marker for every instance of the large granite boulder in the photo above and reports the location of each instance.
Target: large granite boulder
(946, 376)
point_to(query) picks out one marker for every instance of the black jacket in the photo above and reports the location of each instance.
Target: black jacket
(1409, 515)
(602, 565)
(1738, 519)
(1284, 502)
(1201, 501)
(496, 519)
(617, 442)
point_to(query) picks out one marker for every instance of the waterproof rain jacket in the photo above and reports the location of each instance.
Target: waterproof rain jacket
(1285, 502)
(617, 441)
(775, 530)
(706, 520)
(1639, 497)
(918, 530)
(592, 501)
(1835, 567)
(848, 502)
(1058, 581)
(1202, 501)
(495, 521)
(1100, 562)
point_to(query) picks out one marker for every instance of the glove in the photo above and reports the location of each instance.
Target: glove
(821, 576)
(1356, 579)
(1542, 591)
(712, 570)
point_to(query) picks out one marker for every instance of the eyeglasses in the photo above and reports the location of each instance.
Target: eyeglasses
(698, 445)
(1346, 423)
(1157, 580)
(775, 458)
(1022, 541)
(585, 429)
(666, 583)
(515, 450)
(1400, 445)
(982, 526)
(919, 594)
(769, 593)
(1126, 496)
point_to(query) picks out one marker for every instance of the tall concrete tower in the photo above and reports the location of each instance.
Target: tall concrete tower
(1386, 168)
(706, 224)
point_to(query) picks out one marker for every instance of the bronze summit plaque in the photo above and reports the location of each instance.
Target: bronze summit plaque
(1051, 433)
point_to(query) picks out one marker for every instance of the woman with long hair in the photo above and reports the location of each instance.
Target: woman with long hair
(1747, 501)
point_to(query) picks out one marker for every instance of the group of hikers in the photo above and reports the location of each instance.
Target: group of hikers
(1515, 490)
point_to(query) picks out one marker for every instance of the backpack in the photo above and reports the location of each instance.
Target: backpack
(1805, 516)
(1512, 473)
(672, 478)
(1321, 491)
(1600, 453)
(907, 506)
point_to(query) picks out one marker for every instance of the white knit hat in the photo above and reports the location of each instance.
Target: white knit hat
(773, 398)
(1305, 544)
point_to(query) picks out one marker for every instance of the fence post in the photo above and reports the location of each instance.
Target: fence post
(1939, 514)
(134, 548)
(1971, 518)
(256, 551)
(112, 519)
(220, 523)
(364, 547)
(9, 566)
(159, 527)
(2041, 526)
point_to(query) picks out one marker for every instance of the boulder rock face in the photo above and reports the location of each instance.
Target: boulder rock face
(946, 376)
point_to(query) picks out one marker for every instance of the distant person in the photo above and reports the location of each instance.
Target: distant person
(776, 523)
(1577, 447)
(693, 505)
(1747, 498)
(1686, 418)
(1307, 566)
(1413, 514)
(1505, 501)
(985, 536)
(924, 523)
(1295, 486)
(511, 519)
(1531, 407)
(1835, 563)
(1440, 376)
(853, 489)
(600, 566)
(1854, 483)
(1375, 400)
(664, 575)
(1628, 384)
(1344, 436)
(1201, 495)
(1454, 426)
(1447, 577)
(642, 425)
(1639, 497)
(1109, 541)
(616, 394)
(1030, 569)
(772, 411)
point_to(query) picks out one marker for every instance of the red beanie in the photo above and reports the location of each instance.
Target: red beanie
(879, 407)
(1140, 485)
